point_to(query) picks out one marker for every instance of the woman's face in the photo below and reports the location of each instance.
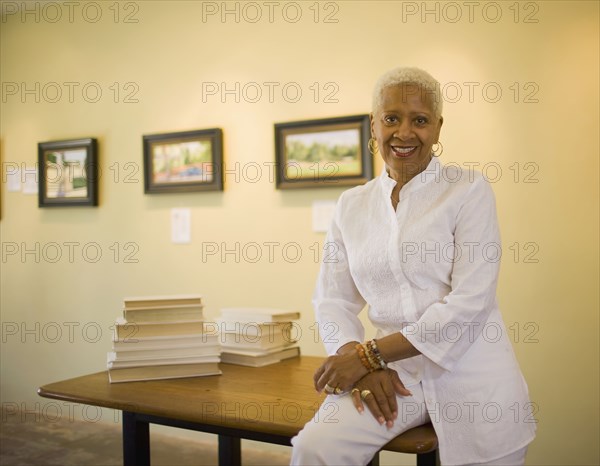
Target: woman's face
(405, 128)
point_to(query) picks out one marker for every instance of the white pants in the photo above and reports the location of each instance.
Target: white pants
(516, 458)
(340, 435)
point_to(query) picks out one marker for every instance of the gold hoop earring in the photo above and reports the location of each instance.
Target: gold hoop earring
(437, 151)
(372, 145)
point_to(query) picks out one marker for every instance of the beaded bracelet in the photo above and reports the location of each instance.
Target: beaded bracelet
(360, 349)
(377, 354)
(371, 356)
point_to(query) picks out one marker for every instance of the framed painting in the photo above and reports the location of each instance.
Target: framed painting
(324, 152)
(183, 162)
(68, 173)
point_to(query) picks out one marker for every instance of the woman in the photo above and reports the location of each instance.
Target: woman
(419, 245)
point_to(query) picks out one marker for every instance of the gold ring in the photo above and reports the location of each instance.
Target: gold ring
(354, 390)
(365, 393)
(338, 390)
(328, 388)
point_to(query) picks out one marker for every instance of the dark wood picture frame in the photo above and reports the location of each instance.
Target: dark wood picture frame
(68, 173)
(327, 152)
(185, 161)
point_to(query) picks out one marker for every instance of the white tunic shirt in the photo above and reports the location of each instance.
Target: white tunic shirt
(430, 269)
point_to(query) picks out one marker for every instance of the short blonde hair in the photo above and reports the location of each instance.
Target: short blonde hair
(407, 75)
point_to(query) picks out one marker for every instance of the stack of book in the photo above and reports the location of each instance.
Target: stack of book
(162, 337)
(257, 336)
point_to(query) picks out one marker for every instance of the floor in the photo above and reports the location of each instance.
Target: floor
(32, 441)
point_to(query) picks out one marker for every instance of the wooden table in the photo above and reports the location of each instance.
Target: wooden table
(269, 404)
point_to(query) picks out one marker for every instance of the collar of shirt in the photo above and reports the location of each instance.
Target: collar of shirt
(430, 174)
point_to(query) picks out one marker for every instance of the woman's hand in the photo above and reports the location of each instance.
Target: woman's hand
(340, 371)
(378, 391)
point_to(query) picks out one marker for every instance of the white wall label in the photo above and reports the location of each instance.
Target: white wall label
(13, 181)
(181, 220)
(322, 215)
(30, 184)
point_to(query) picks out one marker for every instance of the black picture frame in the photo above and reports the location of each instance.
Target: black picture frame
(326, 152)
(185, 161)
(68, 173)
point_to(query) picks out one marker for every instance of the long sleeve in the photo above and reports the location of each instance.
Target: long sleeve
(336, 300)
(448, 327)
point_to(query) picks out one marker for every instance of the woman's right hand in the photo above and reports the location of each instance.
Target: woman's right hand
(378, 391)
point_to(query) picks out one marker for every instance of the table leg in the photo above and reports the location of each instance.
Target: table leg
(230, 451)
(374, 461)
(429, 459)
(136, 441)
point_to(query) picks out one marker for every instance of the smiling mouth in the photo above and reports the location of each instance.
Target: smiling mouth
(404, 151)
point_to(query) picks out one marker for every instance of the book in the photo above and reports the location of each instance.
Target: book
(253, 328)
(132, 330)
(134, 354)
(185, 313)
(163, 342)
(174, 371)
(259, 359)
(257, 314)
(252, 331)
(148, 302)
(113, 362)
(266, 341)
(255, 352)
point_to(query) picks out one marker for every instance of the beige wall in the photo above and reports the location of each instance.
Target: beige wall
(548, 208)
